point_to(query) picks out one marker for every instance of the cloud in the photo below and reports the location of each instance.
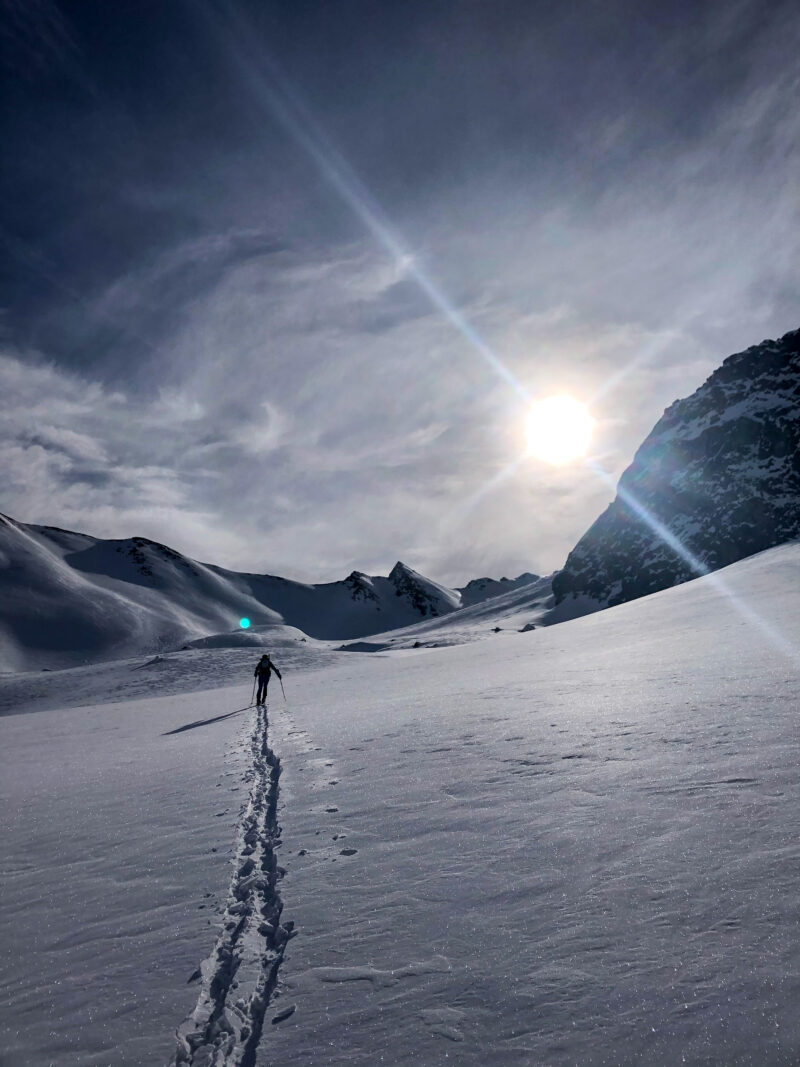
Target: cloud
(79, 447)
(243, 370)
(263, 435)
(73, 453)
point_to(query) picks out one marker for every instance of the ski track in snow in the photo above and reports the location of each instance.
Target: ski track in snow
(239, 977)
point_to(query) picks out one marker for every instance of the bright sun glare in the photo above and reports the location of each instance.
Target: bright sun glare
(559, 429)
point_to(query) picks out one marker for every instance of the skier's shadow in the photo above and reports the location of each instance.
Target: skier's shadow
(205, 722)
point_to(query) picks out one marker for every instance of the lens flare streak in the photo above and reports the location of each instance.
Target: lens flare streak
(280, 100)
(486, 489)
(749, 614)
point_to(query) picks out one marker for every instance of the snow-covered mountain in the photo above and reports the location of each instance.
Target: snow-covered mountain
(67, 597)
(480, 589)
(718, 477)
(519, 610)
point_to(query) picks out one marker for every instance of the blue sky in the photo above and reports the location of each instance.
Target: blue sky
(261, 263)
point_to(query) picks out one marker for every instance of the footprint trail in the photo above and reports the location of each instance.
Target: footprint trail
(240, 975)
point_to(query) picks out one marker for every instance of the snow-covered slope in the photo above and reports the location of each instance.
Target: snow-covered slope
(67, 597)
(480, 589)
(720, 472)
(572, 846)
(359, 605)
(521, 609)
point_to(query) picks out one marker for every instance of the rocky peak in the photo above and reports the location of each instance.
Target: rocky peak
(400, 572)
(360, 586)
(720, 470)
(425, 596)
(479, 589)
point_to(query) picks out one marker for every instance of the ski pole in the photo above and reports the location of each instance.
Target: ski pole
(253, 697)
(282, 689)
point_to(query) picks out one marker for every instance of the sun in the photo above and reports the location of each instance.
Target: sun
(558, 430)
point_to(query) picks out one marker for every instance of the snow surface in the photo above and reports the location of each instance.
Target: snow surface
(572, 846)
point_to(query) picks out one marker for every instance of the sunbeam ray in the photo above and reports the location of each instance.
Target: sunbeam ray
(457, 515)
(769, 632)
(645, 354)
(279, 99)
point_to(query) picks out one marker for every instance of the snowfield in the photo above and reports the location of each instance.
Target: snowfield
(577, 845)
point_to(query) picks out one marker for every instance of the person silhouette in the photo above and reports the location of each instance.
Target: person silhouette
(264, 669)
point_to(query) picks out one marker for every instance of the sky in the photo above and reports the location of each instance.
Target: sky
(278, 281)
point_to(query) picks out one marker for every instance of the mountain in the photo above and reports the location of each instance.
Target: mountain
(480, 589)
(718, 478)
(66, 597)
(522, 608)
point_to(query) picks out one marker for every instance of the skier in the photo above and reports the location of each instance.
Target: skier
(264, 669)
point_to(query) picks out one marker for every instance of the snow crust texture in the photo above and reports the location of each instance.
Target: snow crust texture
(720, 472)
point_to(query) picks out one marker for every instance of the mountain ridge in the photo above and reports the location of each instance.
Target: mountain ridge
(66, 597)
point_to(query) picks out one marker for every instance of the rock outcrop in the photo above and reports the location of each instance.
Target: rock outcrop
(717, 480)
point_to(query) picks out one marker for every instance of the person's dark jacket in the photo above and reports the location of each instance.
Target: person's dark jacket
(264, 668)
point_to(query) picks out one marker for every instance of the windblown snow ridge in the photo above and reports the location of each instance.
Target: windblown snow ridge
(239, 977)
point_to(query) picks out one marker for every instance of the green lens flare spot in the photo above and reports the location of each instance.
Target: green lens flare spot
(244, 623)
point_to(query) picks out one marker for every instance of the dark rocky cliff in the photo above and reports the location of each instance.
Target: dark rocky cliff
(720, 473)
